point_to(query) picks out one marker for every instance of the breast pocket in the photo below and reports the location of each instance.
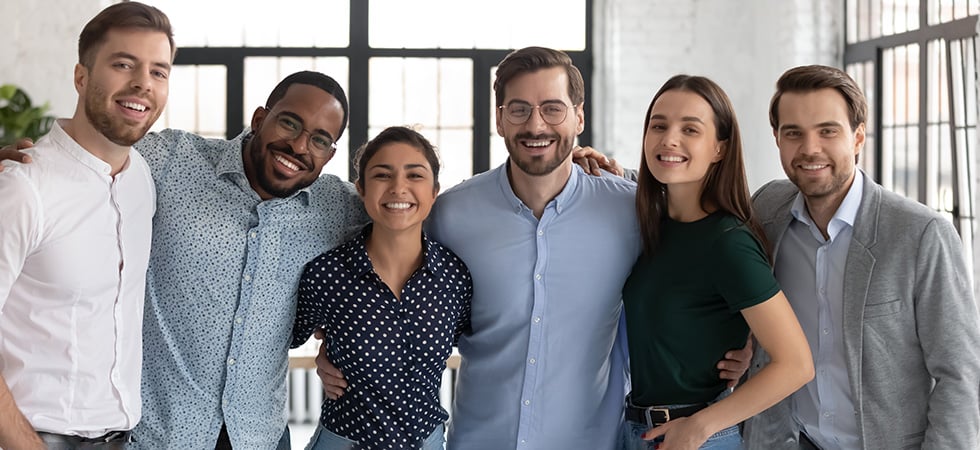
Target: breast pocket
(883, 309)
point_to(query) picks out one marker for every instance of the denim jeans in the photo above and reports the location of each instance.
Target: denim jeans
(727, 439)
(324, 439)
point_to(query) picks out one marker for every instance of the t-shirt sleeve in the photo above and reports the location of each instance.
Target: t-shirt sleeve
(741, 270)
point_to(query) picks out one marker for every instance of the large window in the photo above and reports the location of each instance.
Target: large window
(917, 62)
(424, 63)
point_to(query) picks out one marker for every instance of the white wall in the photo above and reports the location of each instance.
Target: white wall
(41, 47)
(742, 45)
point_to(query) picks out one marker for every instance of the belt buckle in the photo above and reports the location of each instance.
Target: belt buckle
(650, 421)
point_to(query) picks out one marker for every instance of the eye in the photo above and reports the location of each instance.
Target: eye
(691, 130)
(161, 74)
(828, 132)
(322, 142)
(791, 134)
(381, 175)
(552, 109)
(519, 110)
(288, 124)
(123, 65)
(657, 126)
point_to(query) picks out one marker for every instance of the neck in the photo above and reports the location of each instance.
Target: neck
(395, 255)
(94, 142)
(684, 203)
(537, 190)
(822, 208)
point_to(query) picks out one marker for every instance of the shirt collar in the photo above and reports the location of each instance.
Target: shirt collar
(359, 263)
(846, 213)
(73, 148)
(232, 164)
(560, 201)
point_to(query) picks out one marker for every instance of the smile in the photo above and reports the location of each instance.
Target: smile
(397, 205)
(133, 106)
(286, 163)
(673, 159)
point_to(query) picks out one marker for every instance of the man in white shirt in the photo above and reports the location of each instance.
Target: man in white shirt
(74, 246)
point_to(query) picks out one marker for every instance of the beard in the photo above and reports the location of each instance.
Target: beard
(539, 165)
(821, 188)
(119, 131)
(260, 174)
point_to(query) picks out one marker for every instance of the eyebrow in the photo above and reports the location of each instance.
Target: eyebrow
(524, 102)
(684, 119)
(303, 124)
(133, 57)
(827, 124)
(407, 166)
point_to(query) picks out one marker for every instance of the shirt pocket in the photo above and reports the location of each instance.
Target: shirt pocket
(883, 309)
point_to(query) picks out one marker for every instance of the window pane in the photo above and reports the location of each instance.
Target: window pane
(197, 101)
(863, 75)
(262, 74)
(477, 24)
(292, 23)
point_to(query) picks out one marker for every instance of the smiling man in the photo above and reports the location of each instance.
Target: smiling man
(879, 284)
(74, 246)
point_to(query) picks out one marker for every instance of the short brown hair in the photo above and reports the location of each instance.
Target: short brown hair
(812, 78)
(533, 59)
(390, 135)
(121, 15)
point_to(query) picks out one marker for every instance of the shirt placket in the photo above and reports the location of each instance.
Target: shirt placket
(117, 308)
(529, 411)
(825, 356)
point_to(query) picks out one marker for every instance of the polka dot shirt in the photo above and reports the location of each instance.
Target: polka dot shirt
(392, 352)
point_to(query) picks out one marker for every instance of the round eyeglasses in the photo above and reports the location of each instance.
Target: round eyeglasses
(553, 113)
(289, 128)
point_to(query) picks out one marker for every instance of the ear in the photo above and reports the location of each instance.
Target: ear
(580, 119)
(859, 136)
(81, 77)
(258, 117)
(500, 118)
(360, 190)
(721, 147)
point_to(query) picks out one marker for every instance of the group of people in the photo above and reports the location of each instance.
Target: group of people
(591, 312)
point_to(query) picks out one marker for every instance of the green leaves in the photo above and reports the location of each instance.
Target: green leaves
(19, 118)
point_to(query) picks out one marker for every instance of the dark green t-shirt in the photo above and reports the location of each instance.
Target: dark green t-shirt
(683, 307)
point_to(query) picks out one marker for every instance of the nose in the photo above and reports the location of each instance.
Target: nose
(141, 80)
(810, 143)
(301, 142)
(536, 120)
(671, 138)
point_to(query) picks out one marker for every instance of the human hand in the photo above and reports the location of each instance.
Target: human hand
(592, 161)
(736, 363)
(331, 378)
(683, 433)
(12, 152)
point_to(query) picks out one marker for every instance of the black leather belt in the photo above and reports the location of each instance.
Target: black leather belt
(112, 436)
(653, 416)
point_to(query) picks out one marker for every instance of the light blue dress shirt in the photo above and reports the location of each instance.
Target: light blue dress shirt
(543, 367)
(810, 270)
(221, 292)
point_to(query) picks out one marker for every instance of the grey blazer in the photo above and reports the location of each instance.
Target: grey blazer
(911, 327)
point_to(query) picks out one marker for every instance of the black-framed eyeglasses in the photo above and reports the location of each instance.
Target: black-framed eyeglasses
(287, 127)
(553, 113)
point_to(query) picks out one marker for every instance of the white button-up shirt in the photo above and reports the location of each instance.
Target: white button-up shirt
(74, 247)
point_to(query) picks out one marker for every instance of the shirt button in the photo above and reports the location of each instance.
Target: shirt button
(537, 319)
(231, 361)
(527, 402)
(532, 360)
(537, 276)
(826, 331)
(826, 414)
(224, 403)
(238, 320)
(540, 232)
(247, 277)
(252, 234)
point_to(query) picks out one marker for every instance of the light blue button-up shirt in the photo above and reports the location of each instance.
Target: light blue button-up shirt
(221, 292)
(543, 367)
(810, 270)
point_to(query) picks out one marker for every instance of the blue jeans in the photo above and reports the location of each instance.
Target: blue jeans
(727, 439)
(324, 439)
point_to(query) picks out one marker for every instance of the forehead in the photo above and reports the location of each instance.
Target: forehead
(682, 104)
(812, 107)
(314, 106)
(398, 154)
(535, 87)
(148, 45)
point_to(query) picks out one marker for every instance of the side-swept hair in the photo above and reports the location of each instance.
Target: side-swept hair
(117, 16)
(815, 77)
(532, 59)
(316, 79)
(724, 186)
(389, 135)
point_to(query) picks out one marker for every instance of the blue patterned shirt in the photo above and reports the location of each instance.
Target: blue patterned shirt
(221, 292)
(392, 351)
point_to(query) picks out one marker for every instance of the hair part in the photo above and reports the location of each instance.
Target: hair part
(125, 15)
(804, 79)
(533, 59)
(724, 187)
(391, 135)
(316, 79)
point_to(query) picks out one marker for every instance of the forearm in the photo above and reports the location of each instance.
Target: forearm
(15, 431)
(773, 383)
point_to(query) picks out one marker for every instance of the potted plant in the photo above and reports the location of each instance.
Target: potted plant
(19, 118)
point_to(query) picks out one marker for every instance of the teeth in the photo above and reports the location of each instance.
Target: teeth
(813, 166)
(286, 163)
(537, 143)
(671, 158)
(398, 205)
(133, 106)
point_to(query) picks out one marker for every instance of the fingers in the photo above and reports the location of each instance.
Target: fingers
(332, 379)
(655, 432)
(23, 143)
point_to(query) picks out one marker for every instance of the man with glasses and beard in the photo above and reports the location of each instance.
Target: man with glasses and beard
(75, 242)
